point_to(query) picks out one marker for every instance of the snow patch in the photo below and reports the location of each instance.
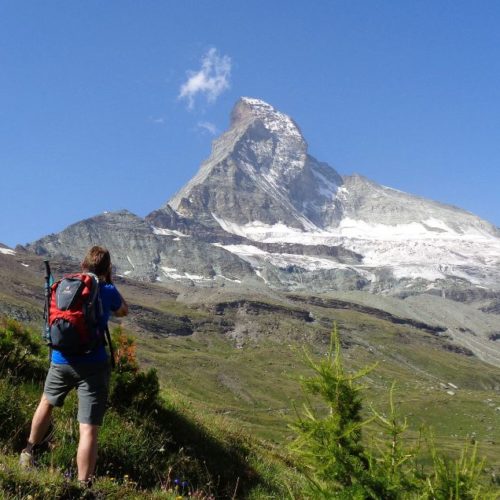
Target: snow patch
(7, 251)
(228, 279)
(259, 274)
(327, 188)
(254, 255)
(430, 229)
(430, 249)
(169, 232)
(175, 274)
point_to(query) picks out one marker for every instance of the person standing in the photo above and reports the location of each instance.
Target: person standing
(88, 373)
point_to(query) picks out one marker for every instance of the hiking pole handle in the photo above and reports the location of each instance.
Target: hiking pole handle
(48, 275)
(47, 269)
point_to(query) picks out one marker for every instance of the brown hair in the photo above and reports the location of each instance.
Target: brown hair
(98, 261)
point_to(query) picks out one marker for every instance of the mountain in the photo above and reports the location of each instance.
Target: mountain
(267, 175)
(143, 252)
(262, 211)
(261, 184)
(5, 250)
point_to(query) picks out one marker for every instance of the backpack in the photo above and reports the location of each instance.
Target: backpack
(74, 312)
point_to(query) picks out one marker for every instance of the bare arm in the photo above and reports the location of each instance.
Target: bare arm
(122, 310)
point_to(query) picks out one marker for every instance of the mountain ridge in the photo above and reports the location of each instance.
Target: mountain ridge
(261, 211)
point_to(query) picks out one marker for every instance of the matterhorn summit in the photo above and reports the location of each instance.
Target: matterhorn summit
(259, 170)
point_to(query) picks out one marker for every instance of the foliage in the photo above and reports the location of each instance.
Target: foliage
(456, 479)
(20, 352)
(391, 458)
(330, 445)
(149, 448)
(150, 443)
(131, 388)
(125, 351)
(339, 465)
(12, 413)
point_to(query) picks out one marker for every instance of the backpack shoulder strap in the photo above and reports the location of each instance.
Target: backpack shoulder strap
(94, 293)
(97, 297)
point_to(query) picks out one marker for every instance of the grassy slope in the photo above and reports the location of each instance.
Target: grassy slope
(252, 387)
(255, 385)
(143, 439)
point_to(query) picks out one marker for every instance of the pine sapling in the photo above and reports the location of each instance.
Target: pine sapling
(330, 445)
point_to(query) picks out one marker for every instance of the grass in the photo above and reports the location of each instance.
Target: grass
(254, 386)
(237, 376)
(149, 441)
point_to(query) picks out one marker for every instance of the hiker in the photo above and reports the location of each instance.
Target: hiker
(88, 372)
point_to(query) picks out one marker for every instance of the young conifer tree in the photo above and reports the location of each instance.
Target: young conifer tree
(337, 463)
(330, 445)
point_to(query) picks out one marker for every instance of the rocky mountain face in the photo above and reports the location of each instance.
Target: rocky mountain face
(261, 211)
(266, 174)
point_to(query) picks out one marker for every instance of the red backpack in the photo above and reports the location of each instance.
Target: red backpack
(74, 312)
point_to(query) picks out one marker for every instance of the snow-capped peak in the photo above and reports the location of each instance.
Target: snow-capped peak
(258, 104)
(249, 109)
(6, 251)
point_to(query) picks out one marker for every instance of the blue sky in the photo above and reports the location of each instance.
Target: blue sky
(111, 105)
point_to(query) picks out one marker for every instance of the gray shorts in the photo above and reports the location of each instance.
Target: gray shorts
(91, 381)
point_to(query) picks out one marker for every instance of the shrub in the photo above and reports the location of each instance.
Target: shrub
(458, 479)
(20, 352)
(330, 446)
(338, 465)
(132, 389)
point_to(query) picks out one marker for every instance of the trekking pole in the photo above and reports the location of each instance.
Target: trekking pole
(111, 350)
(46, 314)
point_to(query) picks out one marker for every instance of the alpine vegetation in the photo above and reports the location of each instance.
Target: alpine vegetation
(148, 446)
(339, 463)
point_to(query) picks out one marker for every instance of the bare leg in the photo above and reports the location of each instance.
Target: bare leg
(86, 456)
(40, 423)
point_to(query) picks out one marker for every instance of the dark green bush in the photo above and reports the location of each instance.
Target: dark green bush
(138, 392)
(20, 352)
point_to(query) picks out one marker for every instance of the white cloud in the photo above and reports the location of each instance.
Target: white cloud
(209, 127)
(211, 80)
(160, 120)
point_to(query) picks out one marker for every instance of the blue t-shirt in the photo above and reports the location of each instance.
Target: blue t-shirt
(111, 301)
